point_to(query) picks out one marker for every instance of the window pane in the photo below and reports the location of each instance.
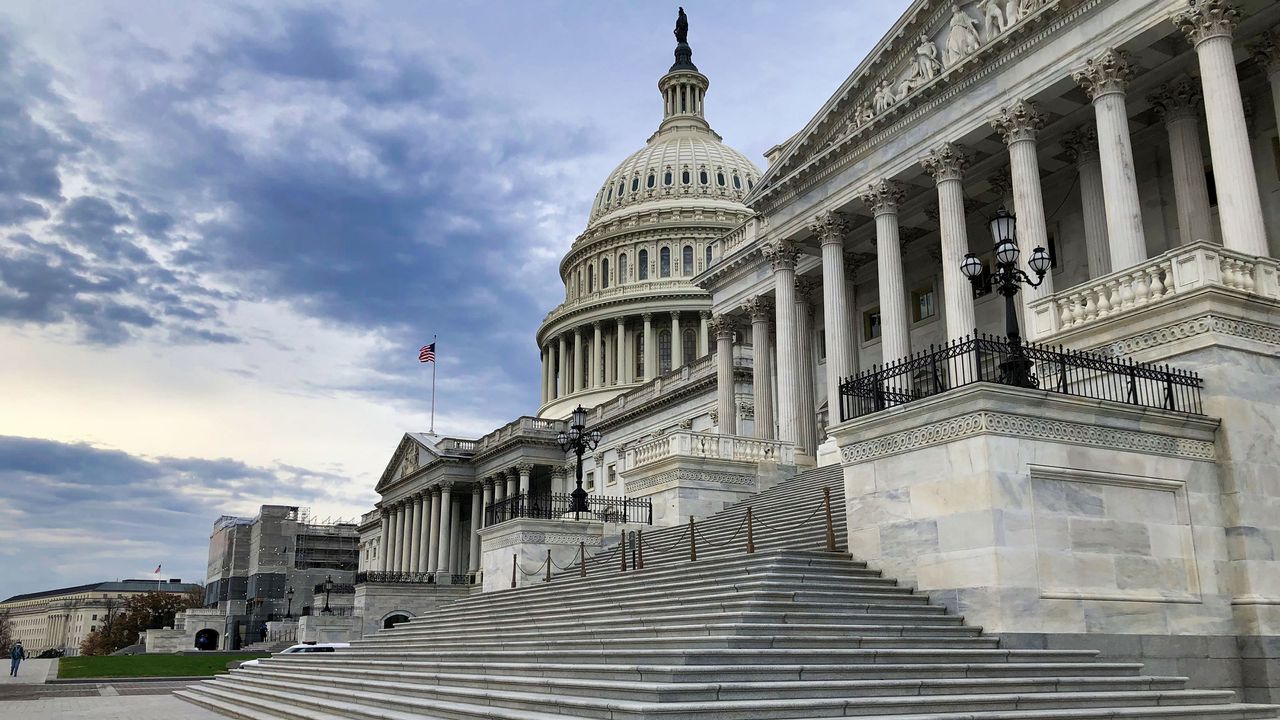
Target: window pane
(642, 267)
(686, 260)
(639, 355)
(622, 267)
(708, 257)
(688, 345)
(604, 273)
(664, 262)
(664, 351)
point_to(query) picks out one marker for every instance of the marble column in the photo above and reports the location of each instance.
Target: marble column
(456, 546)
(830, 228)
(559, 483)
(576, 383)
(947, 165)
(806, 410)
(383, 538)
(677, 344)
(782, 255)
(563, 385)
(406, 534)
(425, 531)
(620, 353)
(650, 349)
(513, 486)
(761, 311)
(726, 412)
(1209, 25)
(704, 332)
(883, 197)
(477, 522)
(524, 470)
(488, 496)
(499, 482)
(1104, 79)
(415, 535)
(607, 358)
(1019, 124)
(433, 556)
(596, 348)
(445, 531)
(393, 549)
(1082, 148)
(1267, 54)
(1178, 104)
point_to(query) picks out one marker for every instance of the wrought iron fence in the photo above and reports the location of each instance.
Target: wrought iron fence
(984, 358)
(338, 589)
(407, 578)
(560, 505)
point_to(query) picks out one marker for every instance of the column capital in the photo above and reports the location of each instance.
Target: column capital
(781, 253)
(830, 227)
(1105, 74)
(524, 468)
(759, 308)
(435, 491)
(646, 316)
(595, 325)
(704, 314)
(1203, 20)
(948, 161)
(487, 483)
(675, 315)
(511, 472)
(1020, 120)
(723, 326)
(806, 288)
(1081, 144)
(883, 196)
(1177, 100)
(1267, 52)
(559, 471)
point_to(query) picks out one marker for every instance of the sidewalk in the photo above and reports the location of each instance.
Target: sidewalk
(136, 707)
(31, 672)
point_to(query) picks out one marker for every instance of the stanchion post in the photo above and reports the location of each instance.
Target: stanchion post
(513, 570)
(640, 549)
(622, 550)
(751, 544)
(582, 554)
(693, 544)
(831, 532)
(548, 578)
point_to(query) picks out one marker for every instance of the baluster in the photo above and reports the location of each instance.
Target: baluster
(1157, 287)
(1246, 276)
(1114, 298)
(1064, 311)
(1125, 287)
(1227, 267)
(1141, 289)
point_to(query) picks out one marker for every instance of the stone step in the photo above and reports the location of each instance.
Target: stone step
(750, 690)
(377, 696)
(690, 640)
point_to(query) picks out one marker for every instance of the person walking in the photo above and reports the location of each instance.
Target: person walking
(16, 655)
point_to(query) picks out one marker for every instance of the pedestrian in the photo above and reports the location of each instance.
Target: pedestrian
(16, 656)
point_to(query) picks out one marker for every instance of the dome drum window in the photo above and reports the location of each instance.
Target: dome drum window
(685, 178)
(642, 265)
(686, 261)
(635, 184)
(664, 262)
(720, 179)
(737, 182)
(650, 182)
(666, 178)
(604, 273)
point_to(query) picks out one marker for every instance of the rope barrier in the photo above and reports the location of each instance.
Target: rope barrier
(673, 545)
(793, 527)
(726, 542)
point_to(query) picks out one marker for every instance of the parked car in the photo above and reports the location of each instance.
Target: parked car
(303, 648)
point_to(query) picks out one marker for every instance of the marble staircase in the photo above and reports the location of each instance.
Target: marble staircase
(790, 631)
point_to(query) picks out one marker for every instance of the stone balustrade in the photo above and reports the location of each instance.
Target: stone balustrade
(740, 237)
(688, 443)
(1176, 273)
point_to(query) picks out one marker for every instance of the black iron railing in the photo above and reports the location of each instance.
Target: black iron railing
(338, 589)
(419, 578)
(558, 505)
(983, 358)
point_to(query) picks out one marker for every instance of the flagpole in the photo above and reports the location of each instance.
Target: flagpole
(432, 431)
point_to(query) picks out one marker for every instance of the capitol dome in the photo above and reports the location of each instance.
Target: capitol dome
(631, 310)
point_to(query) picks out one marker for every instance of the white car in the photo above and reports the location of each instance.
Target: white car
(303, 648)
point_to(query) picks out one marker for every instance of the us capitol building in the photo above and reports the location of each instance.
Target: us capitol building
(1099, 176)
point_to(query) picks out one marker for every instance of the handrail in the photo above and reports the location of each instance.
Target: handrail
(395, 577)
(555, 506)
(984, 358)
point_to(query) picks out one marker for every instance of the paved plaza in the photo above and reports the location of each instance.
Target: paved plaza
(29, 696)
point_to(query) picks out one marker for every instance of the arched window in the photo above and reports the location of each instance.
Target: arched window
(635, 184)
(664, 262)
(708, 257)
(686, 261)
(591, 278)
(685, 177)
(666, 178)
(720, 179)
(621, 186)
(579, 282)
(737, 182)
(702, 177)
(688, 345)
(639, 354)
(622, 268)
(664, 351)
(649, 183)
(604, 273)
(642, 265)
(609, 198)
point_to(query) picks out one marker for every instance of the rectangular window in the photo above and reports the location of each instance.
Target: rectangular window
(613, 475)
(822, 345)
(922, 304)
(589, 482)
(871, 324)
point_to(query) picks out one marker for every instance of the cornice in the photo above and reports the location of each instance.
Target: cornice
(674, 294)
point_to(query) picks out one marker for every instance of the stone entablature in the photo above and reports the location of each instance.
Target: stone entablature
(686, 443)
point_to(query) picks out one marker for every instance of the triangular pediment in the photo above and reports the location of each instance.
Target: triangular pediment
(410, 455)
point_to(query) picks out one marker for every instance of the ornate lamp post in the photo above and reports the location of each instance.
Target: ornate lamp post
(288, 608)
(1007, 277)
(328, 587)
(577, 440)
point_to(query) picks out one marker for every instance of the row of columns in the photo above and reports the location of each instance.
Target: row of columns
(1109, 195)
(573, 361)
(423, 533)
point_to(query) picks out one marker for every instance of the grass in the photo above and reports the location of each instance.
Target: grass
(122, 666)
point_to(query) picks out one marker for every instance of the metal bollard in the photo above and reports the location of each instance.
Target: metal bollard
(751, 545)
(831, 533)
(582, 553)
(693, 544)
(622, 550)
(548, 578)
(640, 549)
(513, 570)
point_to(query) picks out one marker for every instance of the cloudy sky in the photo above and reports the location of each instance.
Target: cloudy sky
(225, 230)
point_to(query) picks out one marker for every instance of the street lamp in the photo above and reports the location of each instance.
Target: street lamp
(328, 587)
(288, 608)
(577, 440)
(1007, 277)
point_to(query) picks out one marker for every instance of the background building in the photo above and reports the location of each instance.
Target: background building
(254, 562)
(61, 619)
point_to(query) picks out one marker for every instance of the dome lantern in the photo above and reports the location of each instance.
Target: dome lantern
(683, 87)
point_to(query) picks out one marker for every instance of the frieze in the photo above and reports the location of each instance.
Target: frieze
(544, 538)
(981, 423)
(686, 475)
(1185, 329)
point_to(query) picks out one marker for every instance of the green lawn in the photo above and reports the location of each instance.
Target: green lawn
(147, 665)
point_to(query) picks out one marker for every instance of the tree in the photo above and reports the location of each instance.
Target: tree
(6, 634)
(146, 611)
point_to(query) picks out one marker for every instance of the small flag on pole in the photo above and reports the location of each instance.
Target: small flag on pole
(427, 353)
(157, 572)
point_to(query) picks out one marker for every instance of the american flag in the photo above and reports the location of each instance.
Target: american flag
(427, 353)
